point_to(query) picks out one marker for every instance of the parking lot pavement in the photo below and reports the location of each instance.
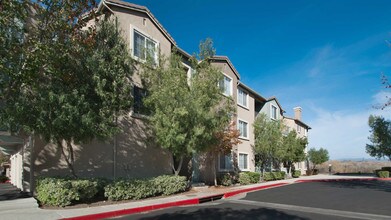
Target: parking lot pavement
(315, 200)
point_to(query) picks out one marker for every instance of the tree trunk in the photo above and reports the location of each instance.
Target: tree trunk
(214, 170)
(176, 171)
(70, 159)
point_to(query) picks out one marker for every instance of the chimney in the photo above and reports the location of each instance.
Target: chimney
(297, 111)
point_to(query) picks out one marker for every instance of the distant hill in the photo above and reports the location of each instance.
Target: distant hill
(362, 159)
(353, 165)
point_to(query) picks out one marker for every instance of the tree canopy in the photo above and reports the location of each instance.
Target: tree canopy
(268, 141)
(186, 114)
(380, 137)
(317, 156)
(292, 149)
(67, 82)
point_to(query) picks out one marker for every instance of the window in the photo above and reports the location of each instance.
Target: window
(138, 106)
(144, 47)
(243, 129)
(273, 112)
(242, 98)
(243, 161)
(298, 129)
(226, 85)
(225, 162)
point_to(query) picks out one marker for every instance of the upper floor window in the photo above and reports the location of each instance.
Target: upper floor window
(243, 128)
(226, 85)
(298, 129)
(274, 112)
(144, 47)
(138, 103)
(242, 98)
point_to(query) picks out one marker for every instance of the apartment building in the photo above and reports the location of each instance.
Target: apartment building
(130, 154)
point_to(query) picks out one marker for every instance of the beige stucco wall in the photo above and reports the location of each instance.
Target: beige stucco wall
(247, 115)
(137, 156)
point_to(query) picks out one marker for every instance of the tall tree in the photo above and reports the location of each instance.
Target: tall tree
(186, 114)
(268, 141)
(292, 149)
(380, 137)
(72, 81)
(317, 156)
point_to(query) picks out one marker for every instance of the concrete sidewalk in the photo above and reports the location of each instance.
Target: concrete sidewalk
(28, 208)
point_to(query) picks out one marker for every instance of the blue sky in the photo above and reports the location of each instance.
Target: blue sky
(325, 56)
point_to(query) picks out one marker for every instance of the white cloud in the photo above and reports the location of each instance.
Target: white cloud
(344, 133)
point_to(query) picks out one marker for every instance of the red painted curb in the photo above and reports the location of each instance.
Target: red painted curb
(117, 213)
(336, 180)
(195, 201)
(230, 194)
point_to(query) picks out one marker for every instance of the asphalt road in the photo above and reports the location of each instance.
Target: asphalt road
(315, 200)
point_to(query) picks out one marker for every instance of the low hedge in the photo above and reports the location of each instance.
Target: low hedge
(3, 179)
(226, 179)
(246, 178)
(296, 174)
(276, 175)
(383, 174)
(138, 189)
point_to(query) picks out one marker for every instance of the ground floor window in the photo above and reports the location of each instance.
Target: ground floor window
(243, 161)
(225, 162)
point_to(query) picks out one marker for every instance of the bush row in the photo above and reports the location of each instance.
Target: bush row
(55, 191)
(384, 172)
(277, 175)
(139, 189)
(246, 178)
(296, 174)
(3, 179)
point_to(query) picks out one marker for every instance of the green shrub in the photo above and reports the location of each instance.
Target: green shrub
(244, 178)
(86, 189)
(226, 179)
(377, 172)
(169, 184)
(139, 189)
(56, 192)
(255, 177)
(296, 173)
(101, 184)
(383, 174)
(3, 179)
(268, 176)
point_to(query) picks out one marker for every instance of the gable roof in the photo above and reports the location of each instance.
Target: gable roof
(139, 8)
(226, 59)
(257, 95)
(298, 122)
(278, 103)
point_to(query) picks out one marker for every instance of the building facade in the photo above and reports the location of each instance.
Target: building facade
(130, 154)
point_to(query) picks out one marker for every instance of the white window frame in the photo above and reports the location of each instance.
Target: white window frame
(271, 112)
(230, 85)
(247, 128)
(219, 164)
(248, 161)
(240, 104)
(133, 29)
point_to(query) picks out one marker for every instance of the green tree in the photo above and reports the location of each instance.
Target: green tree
(72, 82)
(380, 137)
(317, 156)
(292, 149)
(268, 141)
(186, 115)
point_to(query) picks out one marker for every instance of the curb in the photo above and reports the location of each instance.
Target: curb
(194, 201)
(344, 179)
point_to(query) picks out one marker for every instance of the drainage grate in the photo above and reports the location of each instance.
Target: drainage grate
(211, 198)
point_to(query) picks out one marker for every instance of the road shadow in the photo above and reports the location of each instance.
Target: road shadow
(224, 213)
(379, 185)
(10, 192)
